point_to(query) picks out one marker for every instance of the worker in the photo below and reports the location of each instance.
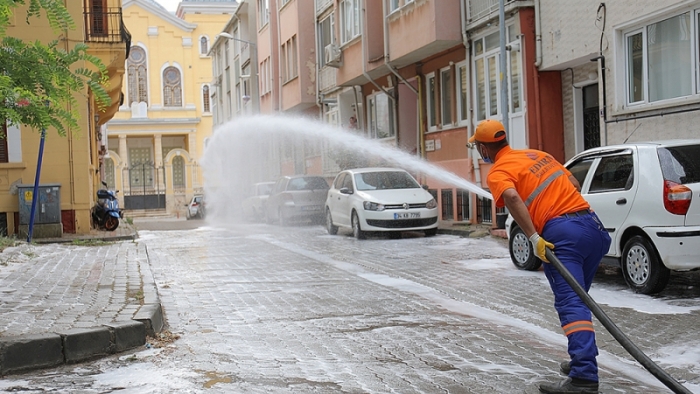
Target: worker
(545, 201)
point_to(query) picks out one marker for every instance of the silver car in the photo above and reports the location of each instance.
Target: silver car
(297, 198)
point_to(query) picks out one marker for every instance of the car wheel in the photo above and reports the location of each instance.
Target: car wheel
(332, 230)
(521, 253)
(356, 229)
(642, 267)
(431, 232)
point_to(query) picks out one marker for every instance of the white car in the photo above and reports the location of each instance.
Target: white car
(380, 199)
(648, 197)
(254, 205)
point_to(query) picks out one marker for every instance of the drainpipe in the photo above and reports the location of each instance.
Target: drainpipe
(470, 118)
(360, 115)
(536, 71)
(364, 56)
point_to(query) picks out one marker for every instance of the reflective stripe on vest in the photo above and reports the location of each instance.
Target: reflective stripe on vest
(541, 187)
(581, 325)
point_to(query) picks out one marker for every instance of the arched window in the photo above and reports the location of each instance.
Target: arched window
(172, 87)
(205, 99)
(138, 76)
(203, 46)
(178, 172)
(109, 172)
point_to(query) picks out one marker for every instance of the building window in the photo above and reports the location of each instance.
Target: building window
(138, 76)
(432, 106)
(447, 204)
(109, 172)
(289, 59)
(265, 77)
(440, 90)
(326, 37)
(463, 205)
(206, 102)
(396, 4)
(380, 111)
(446, 91)
(659, 60)
(487, 88)
(172, 87)
(263, 13)
(462, 91)
(349, 20)
(484, 210)
(203, 46)
(178, 172)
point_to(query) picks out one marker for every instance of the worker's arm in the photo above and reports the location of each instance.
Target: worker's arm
(519, 211)
(517, 208)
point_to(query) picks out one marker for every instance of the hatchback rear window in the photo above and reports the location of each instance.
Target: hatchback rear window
(680, 164)
(307, 183)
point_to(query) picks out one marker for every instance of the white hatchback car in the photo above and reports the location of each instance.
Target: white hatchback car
(380, 199)
(648, 197)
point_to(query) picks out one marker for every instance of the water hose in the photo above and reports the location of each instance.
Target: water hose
(631, 348)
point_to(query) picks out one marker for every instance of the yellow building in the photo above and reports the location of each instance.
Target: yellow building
(156, 139)
(70, 164)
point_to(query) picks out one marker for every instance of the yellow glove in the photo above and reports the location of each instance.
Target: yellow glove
(538, 245)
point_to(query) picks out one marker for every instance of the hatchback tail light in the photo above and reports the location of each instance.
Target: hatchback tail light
(287, 197)
(677, 197)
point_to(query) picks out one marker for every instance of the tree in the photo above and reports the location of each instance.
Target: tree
(38, 81)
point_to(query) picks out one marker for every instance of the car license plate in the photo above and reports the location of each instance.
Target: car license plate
(311, 208)
(407, 215)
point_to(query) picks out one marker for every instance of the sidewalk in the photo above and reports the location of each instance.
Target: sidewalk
(75, 298)
(469, 230)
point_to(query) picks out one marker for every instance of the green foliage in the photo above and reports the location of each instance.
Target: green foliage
(39, 81)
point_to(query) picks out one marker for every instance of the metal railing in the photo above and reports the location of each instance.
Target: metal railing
(105, 26)
(477, 9)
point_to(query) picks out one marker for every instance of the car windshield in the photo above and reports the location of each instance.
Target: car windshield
(265, 189)
(680, 164)
(385, 180)
(307, 183)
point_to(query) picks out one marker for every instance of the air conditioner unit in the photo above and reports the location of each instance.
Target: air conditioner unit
(333, 56)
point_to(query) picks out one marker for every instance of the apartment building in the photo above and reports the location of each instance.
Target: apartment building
(70, 166)
(419, 75)
(157, 138)
(630, 70)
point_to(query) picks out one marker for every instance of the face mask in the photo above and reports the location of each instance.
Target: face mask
(485, 157)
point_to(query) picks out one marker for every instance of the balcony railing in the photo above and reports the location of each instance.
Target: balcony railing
(478, 9)
(106, 26)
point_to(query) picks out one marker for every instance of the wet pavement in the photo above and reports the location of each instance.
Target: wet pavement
(262, 308)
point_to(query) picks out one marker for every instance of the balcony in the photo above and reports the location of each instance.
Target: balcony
(106, 26)
(478, 9)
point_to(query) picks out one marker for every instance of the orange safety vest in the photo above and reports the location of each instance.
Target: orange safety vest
(541, 181)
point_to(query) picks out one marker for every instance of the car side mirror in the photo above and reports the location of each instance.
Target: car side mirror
(345, 190)
(425, 187)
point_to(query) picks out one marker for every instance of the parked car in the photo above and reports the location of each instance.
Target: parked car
(195, 208)
(648, 197)
(296, 198)
(254, 205)
(379, 199)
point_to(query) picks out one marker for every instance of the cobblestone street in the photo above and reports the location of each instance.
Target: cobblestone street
(270, 309)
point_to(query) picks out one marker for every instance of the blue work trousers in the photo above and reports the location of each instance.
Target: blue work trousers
(580, 242)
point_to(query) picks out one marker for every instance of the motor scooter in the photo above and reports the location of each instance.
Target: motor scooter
(106, 212)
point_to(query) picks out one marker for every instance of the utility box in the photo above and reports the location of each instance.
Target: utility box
(47, 215)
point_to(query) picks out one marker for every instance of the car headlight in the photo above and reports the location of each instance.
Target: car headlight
(372, 206)
(431, 204)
